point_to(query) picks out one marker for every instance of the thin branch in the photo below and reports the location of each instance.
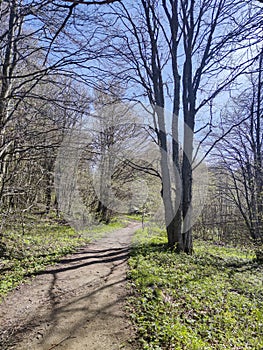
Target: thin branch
(102, 2)
(71, 7)
(220, 139)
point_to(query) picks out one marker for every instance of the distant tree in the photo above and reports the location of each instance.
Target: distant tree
(38, 102)
(220, 220)
(241, 153)
(116, 152)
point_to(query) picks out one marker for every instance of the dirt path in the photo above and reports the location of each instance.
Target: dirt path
(77, 304)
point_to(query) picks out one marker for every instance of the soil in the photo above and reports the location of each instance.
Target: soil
(76, 304)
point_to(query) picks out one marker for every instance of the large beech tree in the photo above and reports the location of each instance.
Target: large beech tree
(183, 54)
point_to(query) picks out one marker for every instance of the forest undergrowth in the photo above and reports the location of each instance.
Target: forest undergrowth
(210, 300)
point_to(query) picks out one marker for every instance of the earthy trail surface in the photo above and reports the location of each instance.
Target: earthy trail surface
(76, 304)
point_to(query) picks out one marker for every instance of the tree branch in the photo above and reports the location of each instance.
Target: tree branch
(102, 2)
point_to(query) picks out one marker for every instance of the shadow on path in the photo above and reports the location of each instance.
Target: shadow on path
(119, 254)
(79, 300)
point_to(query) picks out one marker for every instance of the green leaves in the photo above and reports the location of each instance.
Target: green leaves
(211, 300)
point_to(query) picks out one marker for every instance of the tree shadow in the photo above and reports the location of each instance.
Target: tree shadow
(58, 310)
(146, 248)
(95, 257)
(210, 263)
(232, 263)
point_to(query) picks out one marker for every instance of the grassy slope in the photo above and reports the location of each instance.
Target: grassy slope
(211, 300)
(41, 244)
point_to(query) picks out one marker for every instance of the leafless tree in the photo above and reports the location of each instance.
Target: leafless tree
(118, 148)
(221, 221)
(183, 54)
(241, 153)
(38, 102)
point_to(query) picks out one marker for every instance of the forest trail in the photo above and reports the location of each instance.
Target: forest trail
(76, 304)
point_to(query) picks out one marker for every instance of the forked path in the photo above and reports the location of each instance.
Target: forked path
(77, 304)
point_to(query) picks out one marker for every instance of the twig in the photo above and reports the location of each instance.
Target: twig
(55, 345)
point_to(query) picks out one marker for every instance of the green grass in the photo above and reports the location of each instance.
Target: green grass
(135, 217)
(100, 230)
(211, 300)
(41, 244)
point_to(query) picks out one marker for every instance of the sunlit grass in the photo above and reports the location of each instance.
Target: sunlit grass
(211, 300)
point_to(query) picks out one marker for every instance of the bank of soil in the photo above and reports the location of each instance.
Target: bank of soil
(77, 304)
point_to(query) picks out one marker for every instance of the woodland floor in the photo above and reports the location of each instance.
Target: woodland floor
(76, 304)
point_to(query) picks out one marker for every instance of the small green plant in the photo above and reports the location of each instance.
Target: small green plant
(211, 300)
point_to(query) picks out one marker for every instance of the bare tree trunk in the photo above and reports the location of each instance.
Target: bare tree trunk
(166, 180)
(159, 101)
(189, 97)
(49, 185)
(177, 220)
(258, 155)
(187, 185)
